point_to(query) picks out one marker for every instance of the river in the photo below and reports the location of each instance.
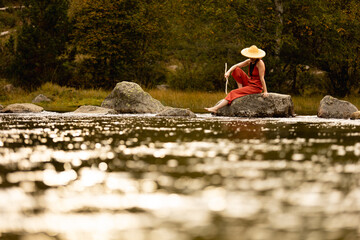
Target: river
(139, 177)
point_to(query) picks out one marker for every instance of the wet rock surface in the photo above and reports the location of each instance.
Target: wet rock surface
(331, 107)
(129, 97)
(22, 108)
(176, 112)
(95, 110)
(255, 105)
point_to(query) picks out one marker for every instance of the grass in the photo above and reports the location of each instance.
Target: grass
(64, 99)
(195, 101)
(306, 105)
(68, 99)
(310, 105)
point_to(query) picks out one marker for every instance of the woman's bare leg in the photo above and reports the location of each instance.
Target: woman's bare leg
(215, 108)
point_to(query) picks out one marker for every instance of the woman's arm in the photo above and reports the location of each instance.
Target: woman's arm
(240, 65)
(261, 67)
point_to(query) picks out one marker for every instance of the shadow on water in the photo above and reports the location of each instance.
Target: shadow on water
(66, 176)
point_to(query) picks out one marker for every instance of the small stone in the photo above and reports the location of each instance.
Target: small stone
(41, 98)
(8, 88)
(176, 112)
(22, 108)
(162, 87)
(355, 115)
(95, 110)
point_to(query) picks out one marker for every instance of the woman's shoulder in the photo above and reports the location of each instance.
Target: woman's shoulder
(260, 63)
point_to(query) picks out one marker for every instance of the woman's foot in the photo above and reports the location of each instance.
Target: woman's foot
(212, 109)
(215, 108)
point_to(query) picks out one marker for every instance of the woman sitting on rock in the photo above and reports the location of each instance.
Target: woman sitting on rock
(247, 85)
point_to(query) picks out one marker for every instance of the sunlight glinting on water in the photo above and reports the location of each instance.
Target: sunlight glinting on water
(143, 177)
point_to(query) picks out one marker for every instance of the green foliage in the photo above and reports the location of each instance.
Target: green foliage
(117, 40)
(7, 56)
(185, 43)
(40, 42)
(7, 20)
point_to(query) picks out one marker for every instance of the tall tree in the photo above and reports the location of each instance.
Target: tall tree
(118, 39)
(40, 42)
(338, 47)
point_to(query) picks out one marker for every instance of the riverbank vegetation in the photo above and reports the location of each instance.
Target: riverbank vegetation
(66, 99)
(312, 46)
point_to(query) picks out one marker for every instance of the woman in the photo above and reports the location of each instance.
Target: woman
(247, 85)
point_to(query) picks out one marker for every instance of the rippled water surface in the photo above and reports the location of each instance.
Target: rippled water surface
(139, 177)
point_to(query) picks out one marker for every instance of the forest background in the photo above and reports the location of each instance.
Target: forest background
(313, 47)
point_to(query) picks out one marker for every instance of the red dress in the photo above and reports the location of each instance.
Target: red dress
(251, 85)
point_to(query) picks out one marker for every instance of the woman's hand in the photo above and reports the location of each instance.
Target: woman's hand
(265, 94)
(227, 74)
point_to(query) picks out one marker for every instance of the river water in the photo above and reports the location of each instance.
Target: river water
(140, 177)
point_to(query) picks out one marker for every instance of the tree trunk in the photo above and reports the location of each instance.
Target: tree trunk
(279, 28)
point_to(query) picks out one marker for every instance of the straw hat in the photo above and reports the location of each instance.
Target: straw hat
(253, 52)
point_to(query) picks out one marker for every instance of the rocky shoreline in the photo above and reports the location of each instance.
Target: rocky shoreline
(129, 97)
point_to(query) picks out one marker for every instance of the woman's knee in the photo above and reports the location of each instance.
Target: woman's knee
(240, 76)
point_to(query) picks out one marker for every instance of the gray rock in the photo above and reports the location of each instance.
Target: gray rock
(355, 115)
(8, 88)
(255, 105)
(22, 108)
(94, 109)
(162, 87)
(331, 107)
(176, 112)
(41, 98)
(129, 97)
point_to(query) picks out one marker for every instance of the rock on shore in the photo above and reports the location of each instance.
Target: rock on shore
(95, 110)
(255, 105)
(355, 115)
(176, 112)
(22, 108)
(129, 97)
(331, 107)
(41, 98)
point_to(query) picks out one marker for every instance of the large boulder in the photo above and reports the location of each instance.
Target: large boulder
(95, 110)
(176, 112)
(129, 97)
(255, 105)
(41, 98)
(22, 108)
(331, 107)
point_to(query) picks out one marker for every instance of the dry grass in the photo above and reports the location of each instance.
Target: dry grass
(310, 105)
(63, 98)
(195, 101)
(69, 99)
(306, 105)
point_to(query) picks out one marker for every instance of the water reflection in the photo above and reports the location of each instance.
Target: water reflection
(66, 176)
